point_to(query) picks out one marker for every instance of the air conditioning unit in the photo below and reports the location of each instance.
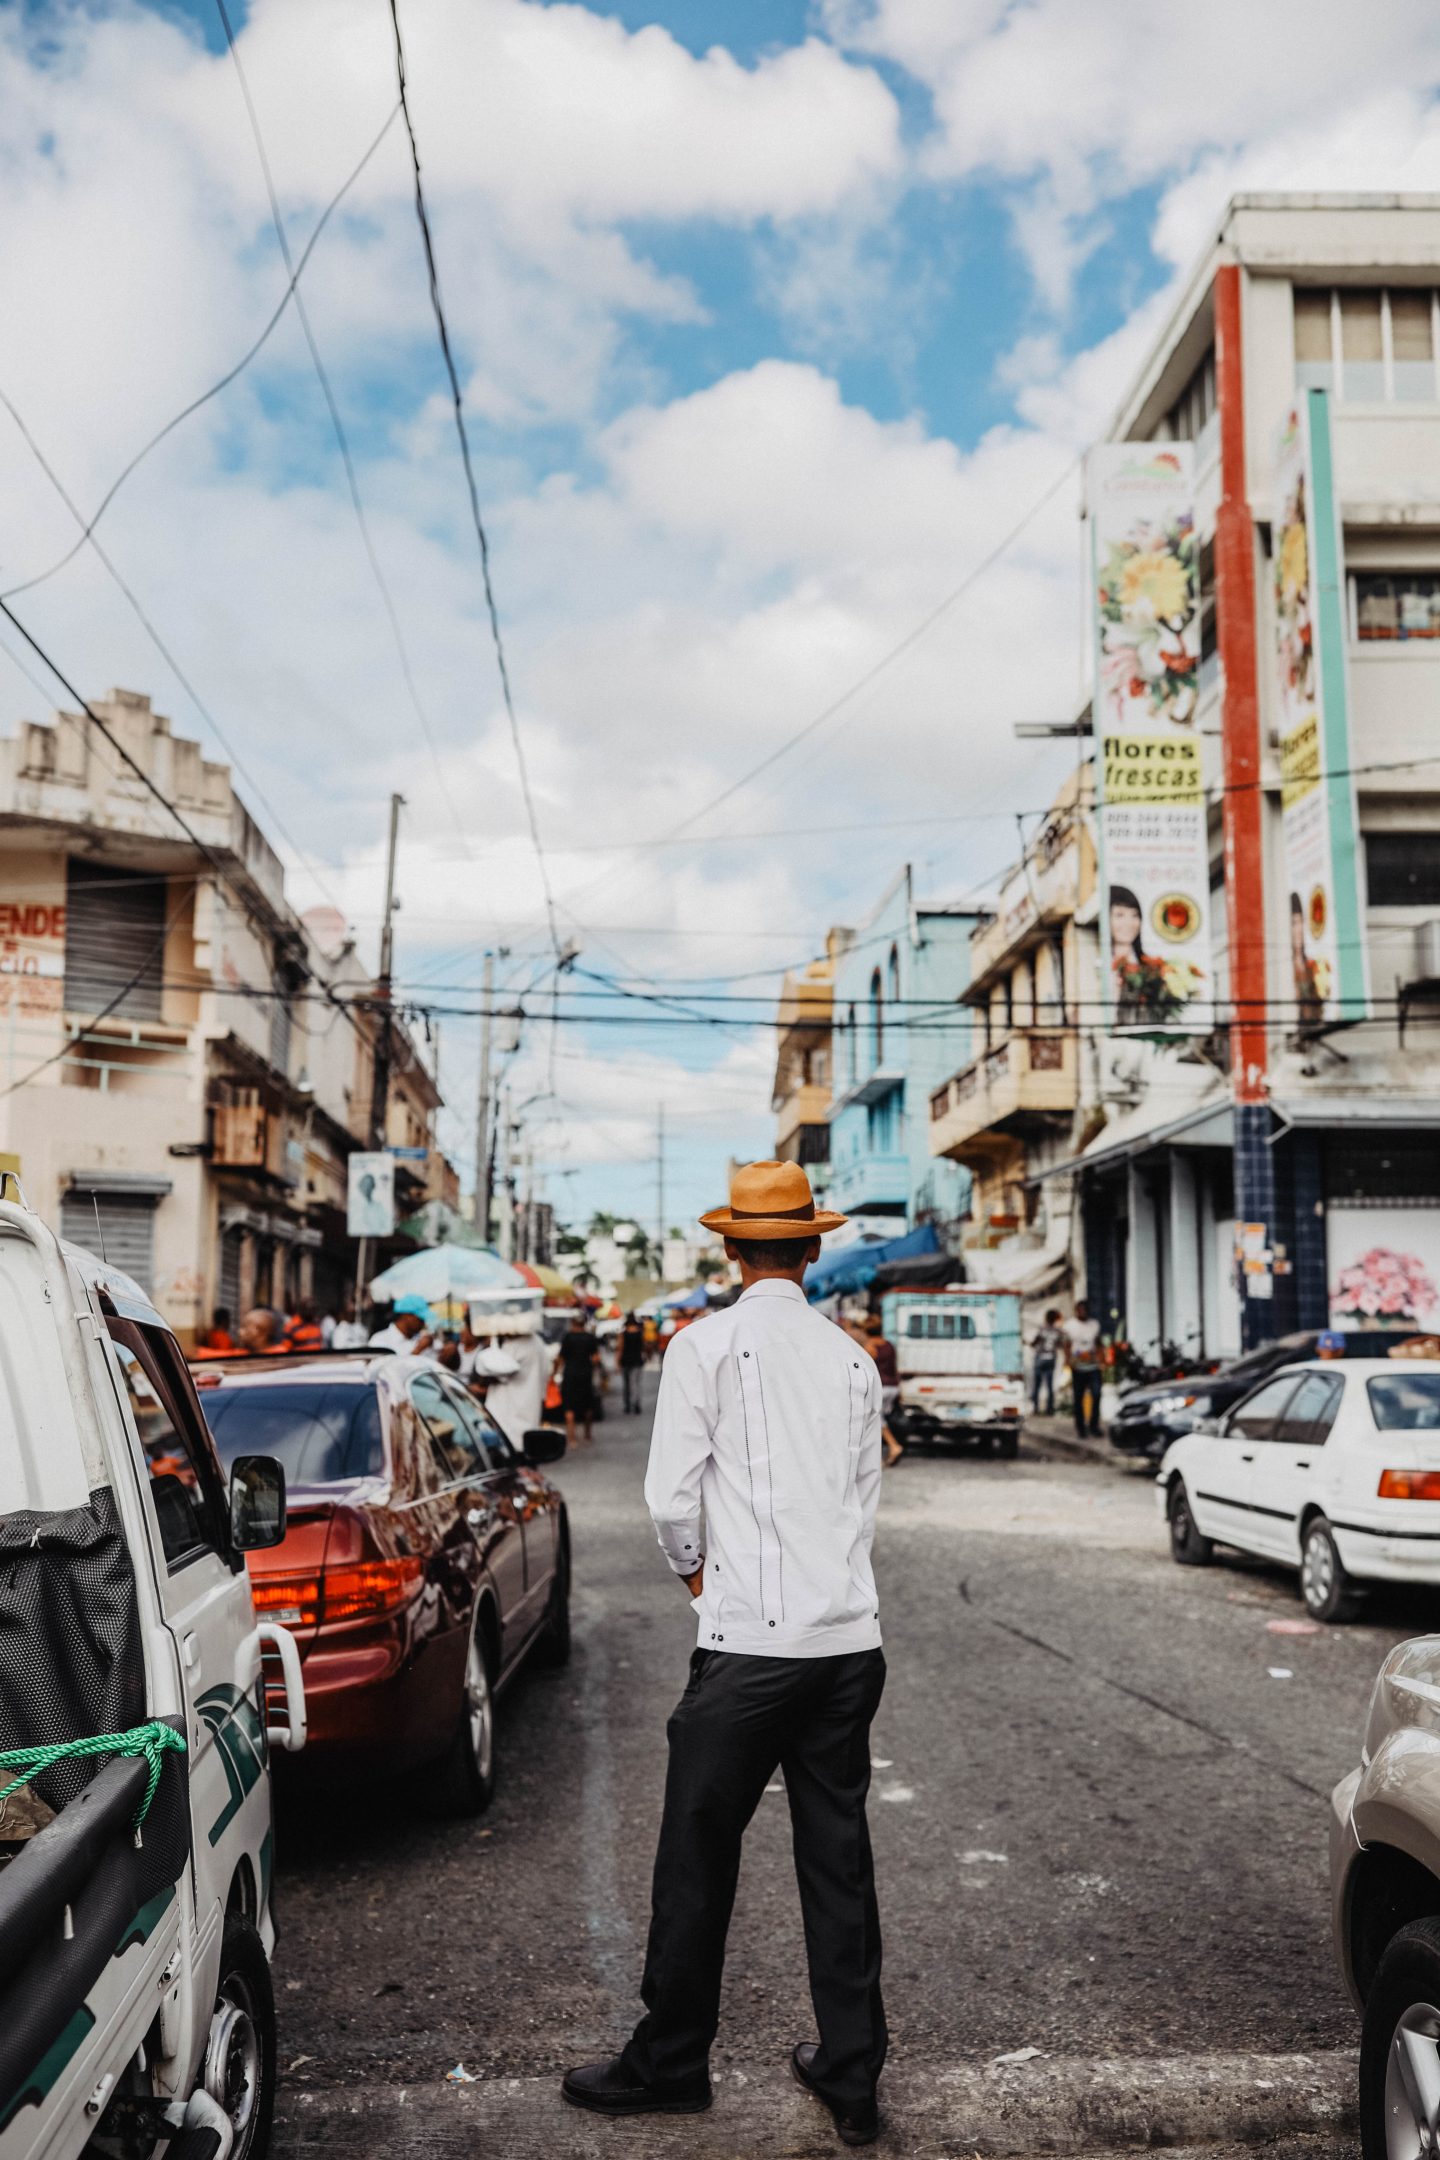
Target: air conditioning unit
(1427, 952)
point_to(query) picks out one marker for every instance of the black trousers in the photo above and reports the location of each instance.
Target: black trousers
(1085, 1391)
(740, 1719)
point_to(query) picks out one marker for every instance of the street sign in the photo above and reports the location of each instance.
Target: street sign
(409, 1154)
(370, 1210)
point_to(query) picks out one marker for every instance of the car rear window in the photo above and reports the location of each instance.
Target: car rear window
(320, 1433)
(1406, 1402)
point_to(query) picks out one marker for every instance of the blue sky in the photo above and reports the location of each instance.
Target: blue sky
(773, 321)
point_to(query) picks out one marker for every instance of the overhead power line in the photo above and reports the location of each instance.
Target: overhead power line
(230, 375)
(458, 404)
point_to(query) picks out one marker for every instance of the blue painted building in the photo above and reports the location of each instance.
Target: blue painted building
(885, 1065)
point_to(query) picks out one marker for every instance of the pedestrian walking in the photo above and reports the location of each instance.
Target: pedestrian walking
(632, 1358)
(411, 1332)
(578, 1352)
(887, 1364)
(768, 1420)
(1082, 1346)
(1046, 1344)
(303, 1330)
(349, 1333)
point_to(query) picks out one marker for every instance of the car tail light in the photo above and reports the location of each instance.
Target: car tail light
(1410, 1485)
(356, 1590)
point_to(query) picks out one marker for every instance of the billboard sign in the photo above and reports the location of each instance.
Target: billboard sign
(1155, 860)
(370, 1209)
(1323, 928)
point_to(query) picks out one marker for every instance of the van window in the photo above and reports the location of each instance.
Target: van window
(182, 1484)
(941, 1326)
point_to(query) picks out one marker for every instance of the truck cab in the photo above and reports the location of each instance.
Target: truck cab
(136, 2012)
(961, 1367)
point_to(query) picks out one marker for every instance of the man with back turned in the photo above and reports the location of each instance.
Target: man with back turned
(768, 1426)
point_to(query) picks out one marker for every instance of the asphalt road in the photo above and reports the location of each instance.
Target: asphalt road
(1099, 1820)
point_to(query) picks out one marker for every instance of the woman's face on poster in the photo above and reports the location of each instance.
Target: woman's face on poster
(1124, 927)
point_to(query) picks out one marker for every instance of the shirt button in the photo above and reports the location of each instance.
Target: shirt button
(772, 1623)
(719, 1638)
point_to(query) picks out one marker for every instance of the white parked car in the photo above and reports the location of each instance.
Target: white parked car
(1331, 1467)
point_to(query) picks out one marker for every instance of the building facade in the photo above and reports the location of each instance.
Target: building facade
(1280, 1169)
(1023, 1104)
(800, 1097)
(907, 965)
(179, 1082)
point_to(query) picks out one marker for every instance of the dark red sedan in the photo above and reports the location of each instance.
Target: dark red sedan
(424, 1558)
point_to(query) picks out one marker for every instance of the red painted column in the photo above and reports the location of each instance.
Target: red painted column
(1243, 806)
(1235, 620)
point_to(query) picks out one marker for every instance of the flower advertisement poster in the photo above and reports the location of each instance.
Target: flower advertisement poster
(1155, 859)
(1322, 931)
(1384, 1266)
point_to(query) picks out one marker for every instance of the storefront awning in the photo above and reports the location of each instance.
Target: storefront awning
(841, 1274)
(1207, 1124)
(1338, 1111)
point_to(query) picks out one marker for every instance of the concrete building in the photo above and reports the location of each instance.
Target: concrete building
(1023, 1104)
(177, 1080)
(1282, 1169)
(908, 963)
(800, 1097)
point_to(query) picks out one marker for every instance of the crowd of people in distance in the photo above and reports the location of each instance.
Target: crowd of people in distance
(1077, 1341)
(520, 1376)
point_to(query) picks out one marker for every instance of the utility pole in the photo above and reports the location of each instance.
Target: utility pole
(384, 1032)
(660, 1192)
(482, 1106)
(507, 1179)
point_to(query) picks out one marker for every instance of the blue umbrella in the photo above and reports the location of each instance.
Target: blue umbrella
(448, 1272)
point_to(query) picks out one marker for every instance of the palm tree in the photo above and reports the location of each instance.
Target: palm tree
(585, 1276)
(640, 1255)
(603, 1225)
(709, 1264)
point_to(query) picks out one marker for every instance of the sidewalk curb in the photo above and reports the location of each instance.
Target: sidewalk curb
(1055, 2106)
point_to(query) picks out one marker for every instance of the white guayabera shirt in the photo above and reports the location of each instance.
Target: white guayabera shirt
(768, 1420)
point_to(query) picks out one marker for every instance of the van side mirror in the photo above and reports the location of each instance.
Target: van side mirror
(544, 1444)
(257, 1503)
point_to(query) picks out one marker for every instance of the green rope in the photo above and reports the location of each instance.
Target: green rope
(153, 1741)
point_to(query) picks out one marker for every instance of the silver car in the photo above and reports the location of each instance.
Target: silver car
(1385, 1882)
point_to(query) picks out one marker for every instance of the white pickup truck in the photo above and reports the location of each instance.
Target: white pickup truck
(961, 1367)
(136, 2011)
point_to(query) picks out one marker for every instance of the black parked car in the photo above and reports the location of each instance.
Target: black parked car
(1149, 1418)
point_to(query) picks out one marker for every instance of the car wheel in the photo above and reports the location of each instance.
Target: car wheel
(1400, 2048)
(467, 1777)
(1329, 1593)
(554, 1644)
(1189, 1546)
(1008, 1446)
(239, 2068)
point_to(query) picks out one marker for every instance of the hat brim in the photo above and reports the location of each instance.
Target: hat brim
(764, 1228)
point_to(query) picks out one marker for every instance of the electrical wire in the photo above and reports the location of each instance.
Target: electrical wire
(443, 332)
(352, 481)
(13, 592)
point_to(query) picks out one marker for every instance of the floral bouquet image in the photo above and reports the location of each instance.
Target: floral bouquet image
(1148, 987)
(1292, 602)
(1385, 1285)
(1149, 628)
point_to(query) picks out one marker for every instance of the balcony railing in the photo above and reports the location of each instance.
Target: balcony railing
(1030, 1073)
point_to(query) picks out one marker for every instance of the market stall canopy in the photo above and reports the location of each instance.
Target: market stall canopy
(696, 1300)
(841, 1274)
(449, 1272)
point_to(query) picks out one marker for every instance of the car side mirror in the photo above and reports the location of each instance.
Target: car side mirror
(543, 1444)
(257, 1503)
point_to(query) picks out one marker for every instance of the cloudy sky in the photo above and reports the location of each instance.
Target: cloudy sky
(768, 346)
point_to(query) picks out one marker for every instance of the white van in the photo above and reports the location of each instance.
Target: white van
(136, 2011)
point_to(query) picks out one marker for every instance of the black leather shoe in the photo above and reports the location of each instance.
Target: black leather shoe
(608, 2088)
(856, 2124)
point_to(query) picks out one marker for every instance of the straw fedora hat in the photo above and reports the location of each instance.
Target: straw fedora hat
(771, 1200)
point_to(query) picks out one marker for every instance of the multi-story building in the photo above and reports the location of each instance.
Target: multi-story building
(178, 1080)
(1281, 1169)
(1023, 1104)
(896, 1027)
(800, 1097)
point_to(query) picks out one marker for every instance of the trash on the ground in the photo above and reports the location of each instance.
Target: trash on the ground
(1017, 2055)
(1292, 1627)
(460, 2076)
(299, 2061)
(1280, 1672)
(881, 1762)
(774, 1788)
(897, 1792)
(980, 1858)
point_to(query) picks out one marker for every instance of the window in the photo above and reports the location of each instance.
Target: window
(1402, 869)
(1390, 607)
(1367, 344)
(850, 1029)
(1187, 416)
(1310, 1412)
(877, 1022)
(184, 1485)
(1410, 1402)
(941, 1326)
(1255, 1418)
(321, 1432)
(894, 972)
(458, 1453)
(494, 1447)
(114, 940)
(1209, 648)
